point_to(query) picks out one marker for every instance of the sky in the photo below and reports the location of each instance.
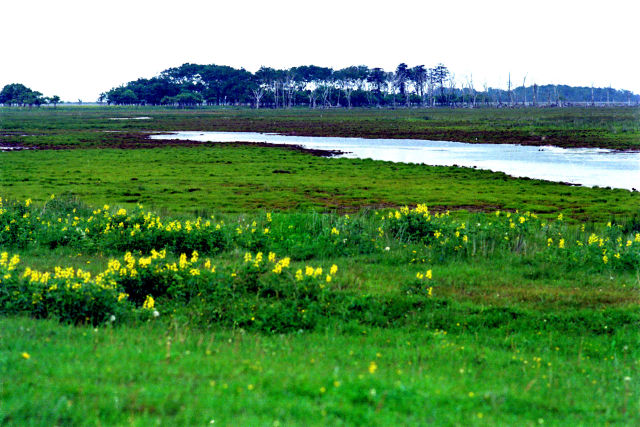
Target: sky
(78, 48)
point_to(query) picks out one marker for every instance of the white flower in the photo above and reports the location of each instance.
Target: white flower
(387, 248)
(112, 318)
(155, 313)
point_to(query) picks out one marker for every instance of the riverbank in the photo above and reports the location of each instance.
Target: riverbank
(613, 128)
(228, 178)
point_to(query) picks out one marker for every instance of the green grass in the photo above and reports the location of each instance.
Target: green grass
(593, 127)
(242, 179)
(535, 333)
(170, 373)
(520, 335)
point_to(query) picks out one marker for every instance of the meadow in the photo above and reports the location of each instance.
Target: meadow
(262, 286)
(605, 127)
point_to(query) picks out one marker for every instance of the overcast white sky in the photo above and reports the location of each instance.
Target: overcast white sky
(79, 48)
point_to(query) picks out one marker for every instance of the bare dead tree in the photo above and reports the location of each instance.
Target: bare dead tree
(485, 88)
(509, 91)
(326, 91)
(472, 91)
(535, 95)
(348, 85)
(524, 89)
(431, 84)
(275, 93)
(289, 89)
(313, 95)
(451, 83)
(258, 93)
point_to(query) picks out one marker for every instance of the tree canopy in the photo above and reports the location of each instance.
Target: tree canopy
(19, 94)
(190, 85)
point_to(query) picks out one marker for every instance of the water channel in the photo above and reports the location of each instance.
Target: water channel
(581, 166)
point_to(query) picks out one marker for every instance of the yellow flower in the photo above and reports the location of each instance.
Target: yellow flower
(271, 257)
(148, 303)
(328, 278)
(335, 231)
(299, 275)
(429, 274)
(333, 270)
(25, 355)
(182, 262)
(561, 244)
(373, 367)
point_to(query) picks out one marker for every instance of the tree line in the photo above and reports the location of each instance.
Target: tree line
(19, 95)
(191, 85)
(354, 86)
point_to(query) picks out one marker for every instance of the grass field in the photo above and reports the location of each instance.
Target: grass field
(617, 128)
(239, 178)
(313, 297)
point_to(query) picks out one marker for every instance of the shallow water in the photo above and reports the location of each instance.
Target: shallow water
(130, 118)
(583, 166)
(13, 148)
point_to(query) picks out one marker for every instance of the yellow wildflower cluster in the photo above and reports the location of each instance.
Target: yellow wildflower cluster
(149, 303)
(315, 272)
(427, 275)
(8, 264)
(283, 263)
